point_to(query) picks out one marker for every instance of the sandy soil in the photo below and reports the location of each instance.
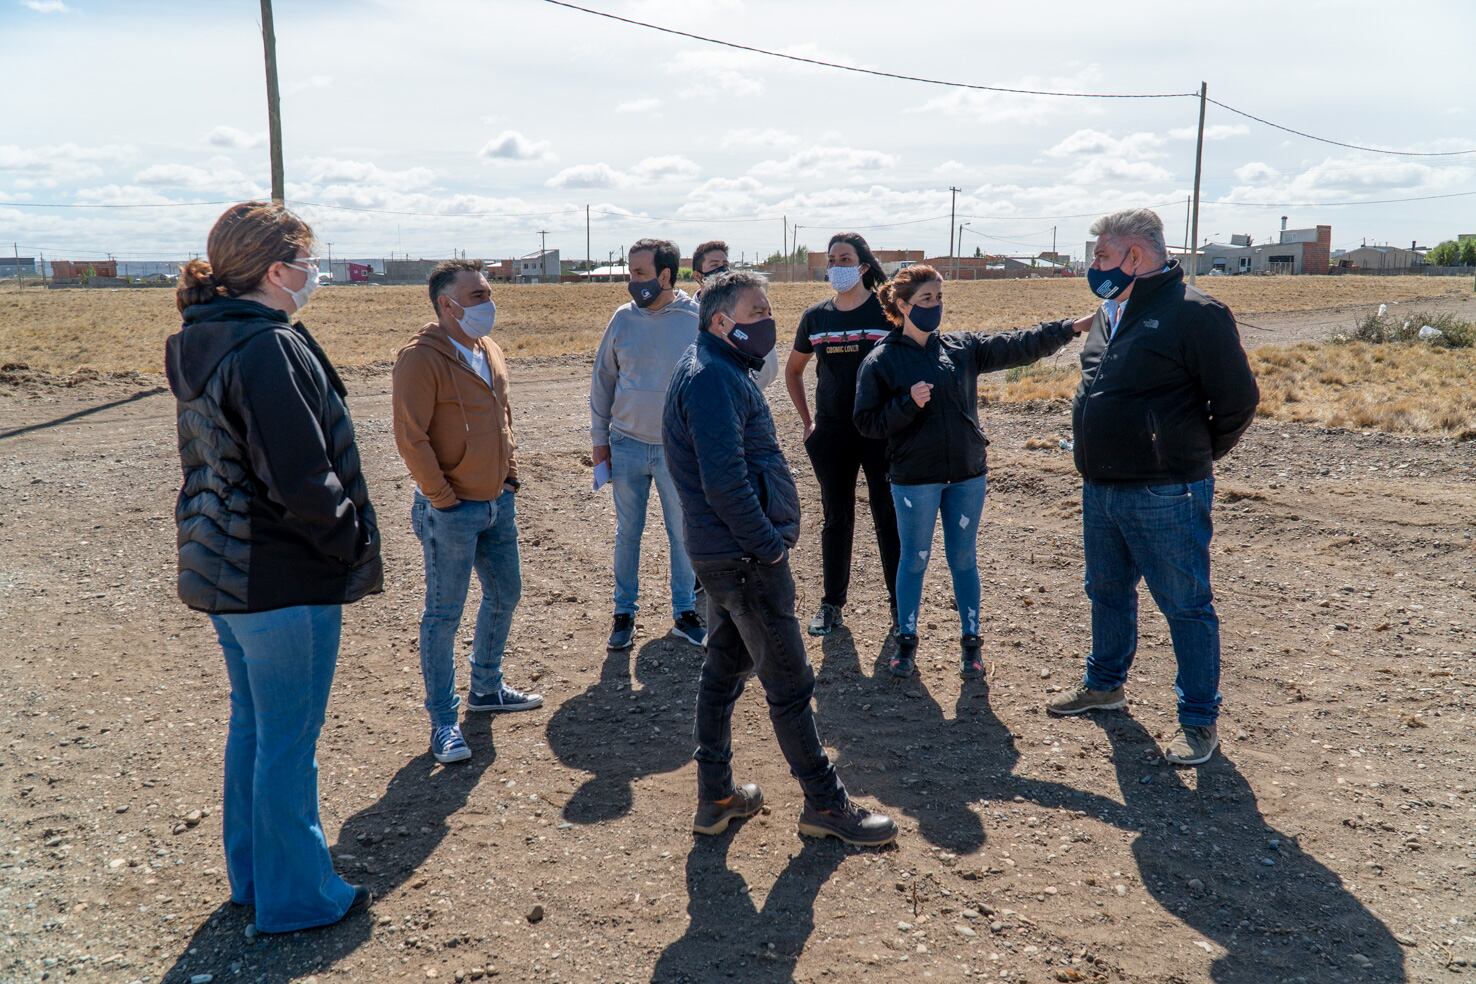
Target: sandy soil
(1331, 841)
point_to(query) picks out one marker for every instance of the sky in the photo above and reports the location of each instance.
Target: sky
(487, 121)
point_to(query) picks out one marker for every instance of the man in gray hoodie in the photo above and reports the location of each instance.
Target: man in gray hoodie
(637, 355)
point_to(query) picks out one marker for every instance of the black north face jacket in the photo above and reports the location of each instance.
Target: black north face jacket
(1169, 394)
(273, 511)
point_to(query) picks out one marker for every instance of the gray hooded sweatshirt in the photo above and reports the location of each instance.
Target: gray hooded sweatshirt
(633, 368)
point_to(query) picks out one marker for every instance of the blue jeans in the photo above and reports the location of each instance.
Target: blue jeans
(280, 664)
(471, 535)
(918, 506)
(1161, 534)
(633, 466)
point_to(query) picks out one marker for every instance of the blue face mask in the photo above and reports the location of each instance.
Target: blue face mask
(926, 319)
(644, 292)
(1107, 284)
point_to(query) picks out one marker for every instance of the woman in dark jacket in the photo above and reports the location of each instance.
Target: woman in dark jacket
(276, 535)
(918, 389)
(839, 333)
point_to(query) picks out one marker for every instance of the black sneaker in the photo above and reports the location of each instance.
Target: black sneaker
(904, 661)
(972, 665)
(622, 631)
(713, 818)
(506, 699)
(853, 824)
(826, 620)
(689, 627)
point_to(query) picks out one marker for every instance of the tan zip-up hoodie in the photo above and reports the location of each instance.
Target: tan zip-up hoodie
(452, 429)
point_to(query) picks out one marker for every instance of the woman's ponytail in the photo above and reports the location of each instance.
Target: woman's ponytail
(196, 285)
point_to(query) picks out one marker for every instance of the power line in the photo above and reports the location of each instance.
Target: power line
(1371, 201)
(869, 71)
(128, 205)
(1339, 143)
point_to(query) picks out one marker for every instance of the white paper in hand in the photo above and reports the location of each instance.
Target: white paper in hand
(602, 475)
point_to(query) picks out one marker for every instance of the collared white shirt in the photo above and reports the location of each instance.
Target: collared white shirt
(476, 358)
(1114, 311)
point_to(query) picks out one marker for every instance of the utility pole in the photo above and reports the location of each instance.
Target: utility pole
(960, 249)
(588, 262)
(274, 100)
(17, 265)
(952, 208)
(330, 262)
(1187, 200)
(1198, 168)
(784, 244)
(794, 254)
(1055, 257)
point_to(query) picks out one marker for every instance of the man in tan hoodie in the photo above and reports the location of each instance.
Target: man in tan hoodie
(453, 426)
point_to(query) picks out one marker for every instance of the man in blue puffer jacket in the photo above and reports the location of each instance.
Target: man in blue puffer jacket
(741, 514)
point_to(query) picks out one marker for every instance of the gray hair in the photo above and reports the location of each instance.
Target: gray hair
(1139, 225)
(720, 294)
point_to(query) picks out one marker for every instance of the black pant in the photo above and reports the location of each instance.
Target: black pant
(837, 452)
(751, 628)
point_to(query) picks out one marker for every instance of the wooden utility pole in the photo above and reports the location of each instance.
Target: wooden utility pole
(274, 101)
(952, 208)
(17, 265)
(588, 261)
(784, 245)
(1198, 168)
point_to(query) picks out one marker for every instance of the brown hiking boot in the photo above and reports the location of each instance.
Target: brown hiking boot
(713, 817)
(1083, 699)
(853, 824)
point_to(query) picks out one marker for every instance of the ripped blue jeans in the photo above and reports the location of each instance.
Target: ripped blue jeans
(918, 506)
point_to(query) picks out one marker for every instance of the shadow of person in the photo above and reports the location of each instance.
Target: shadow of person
(728, 935)
(1209, 857)
(619, 732)
(381, 846)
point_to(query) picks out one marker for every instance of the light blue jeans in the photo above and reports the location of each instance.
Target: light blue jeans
(918, 506)
(280, 664)
(634, 465)
(480, 536)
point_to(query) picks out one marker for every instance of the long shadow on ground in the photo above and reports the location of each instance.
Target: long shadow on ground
(729, 937)
(620, 733)
(1206, 854)
(381, 846)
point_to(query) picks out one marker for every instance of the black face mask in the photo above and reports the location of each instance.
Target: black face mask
(644, 292)
(714, 273)
(756, 338)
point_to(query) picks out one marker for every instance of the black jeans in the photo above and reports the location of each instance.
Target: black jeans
(751, 628)
(837, 452)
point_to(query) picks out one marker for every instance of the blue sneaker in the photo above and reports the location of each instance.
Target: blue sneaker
(506, 699)
(447, 745)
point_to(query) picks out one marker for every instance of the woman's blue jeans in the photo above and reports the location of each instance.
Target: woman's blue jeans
(918, 507)
(280, 665)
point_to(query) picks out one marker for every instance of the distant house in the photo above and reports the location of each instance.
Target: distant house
(9, 265)
(537, 268)
(75, 271)
(1382, 258)
(1296, 251)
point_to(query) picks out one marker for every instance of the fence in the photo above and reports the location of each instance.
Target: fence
(1406, 271)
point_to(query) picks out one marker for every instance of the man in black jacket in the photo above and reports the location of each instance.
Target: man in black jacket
(1166, 390)
(741, 512)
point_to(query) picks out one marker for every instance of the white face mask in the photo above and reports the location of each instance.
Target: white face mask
(477, 321)
(842, 278)
(301, 296)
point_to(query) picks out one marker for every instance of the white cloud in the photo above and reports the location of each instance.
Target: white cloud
(311, 82)
(1003, 107)
(234, 139)
(330, 172)
(665, 168)
(1134, 146)
(730, 72)
(1216, 131)
(511, 146)
(599, 175)
(1347, 179)
(669, 167)
(756, 139)
(1256, 171)
(952, 169)
(826, 162)
(639, 105)
(48, 6)
(1099, 169)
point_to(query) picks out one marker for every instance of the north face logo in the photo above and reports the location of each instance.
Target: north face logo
(1150, 322)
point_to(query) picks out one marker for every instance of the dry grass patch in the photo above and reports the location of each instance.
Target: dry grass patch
(1405, 389)
(121, 330)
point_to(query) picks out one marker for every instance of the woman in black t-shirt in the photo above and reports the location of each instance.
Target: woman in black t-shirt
(839, 332)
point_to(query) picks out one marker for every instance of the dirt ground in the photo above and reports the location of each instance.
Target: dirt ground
(1331, 841)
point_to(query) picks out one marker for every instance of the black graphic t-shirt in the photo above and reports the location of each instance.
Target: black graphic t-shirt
(839, 340)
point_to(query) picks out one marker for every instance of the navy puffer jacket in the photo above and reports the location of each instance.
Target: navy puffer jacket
(738, 494)
(273, 511)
